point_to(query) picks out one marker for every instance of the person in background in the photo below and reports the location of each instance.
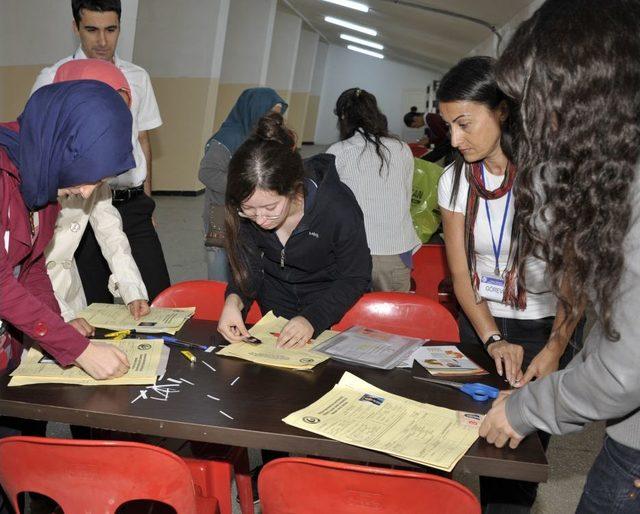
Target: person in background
(436, 133)
(97, 211)
(249, 108)
(579, 192)
(97, 24)
(295, 236)
(378, 168)
(507, 304)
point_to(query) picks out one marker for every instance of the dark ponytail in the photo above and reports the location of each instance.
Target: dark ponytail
(357, 111)
(267, 160)
(473, 80)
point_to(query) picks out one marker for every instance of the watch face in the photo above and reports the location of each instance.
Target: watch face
(493, 339)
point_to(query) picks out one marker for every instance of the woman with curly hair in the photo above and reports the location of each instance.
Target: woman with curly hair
(574, 69)
(516, 320)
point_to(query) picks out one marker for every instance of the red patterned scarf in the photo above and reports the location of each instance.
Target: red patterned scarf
(513, 295)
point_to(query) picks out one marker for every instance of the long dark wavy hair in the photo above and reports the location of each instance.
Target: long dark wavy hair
(357, 111)
(473, 80)
(574, 69)
(267, 160)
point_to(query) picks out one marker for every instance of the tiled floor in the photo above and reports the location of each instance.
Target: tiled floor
(180, 228)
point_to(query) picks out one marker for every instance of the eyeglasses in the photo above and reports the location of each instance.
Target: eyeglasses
(256, 215)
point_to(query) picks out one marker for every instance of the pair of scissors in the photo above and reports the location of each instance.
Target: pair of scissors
(477, 391)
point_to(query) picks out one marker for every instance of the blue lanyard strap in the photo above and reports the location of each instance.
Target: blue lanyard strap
(498, 247)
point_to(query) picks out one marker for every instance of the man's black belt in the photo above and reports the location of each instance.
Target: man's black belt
(124, 195)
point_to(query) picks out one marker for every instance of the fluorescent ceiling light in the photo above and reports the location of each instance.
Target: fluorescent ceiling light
(364, 42)
(365, 51)
(358, 6)
(349, 25)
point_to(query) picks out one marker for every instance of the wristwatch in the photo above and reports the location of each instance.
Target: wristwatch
(493, 338)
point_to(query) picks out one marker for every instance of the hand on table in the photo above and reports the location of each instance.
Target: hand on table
(82, 326)
(103, 361)
(231, 325)
(543, 364)
(508, 358)
(139, 308)
(296, 333)
(496, 428)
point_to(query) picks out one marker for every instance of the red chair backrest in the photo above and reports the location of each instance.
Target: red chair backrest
(206, 295)
(311, 486)
(94, 476)
(404, 314)
(429, 269)
(418, 150)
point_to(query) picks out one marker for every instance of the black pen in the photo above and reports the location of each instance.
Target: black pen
(178, 342)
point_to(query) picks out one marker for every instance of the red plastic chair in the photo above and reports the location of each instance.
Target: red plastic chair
(404, 314)
(206, 295)
(99, 476)
(418, 150)
(312, 486)
(208, 298)
(431, 272)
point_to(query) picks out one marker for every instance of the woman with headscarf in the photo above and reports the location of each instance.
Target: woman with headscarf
(69, 138)
(249, 108)
(97, 210)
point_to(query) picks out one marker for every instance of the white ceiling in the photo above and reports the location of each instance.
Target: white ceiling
(413, 35)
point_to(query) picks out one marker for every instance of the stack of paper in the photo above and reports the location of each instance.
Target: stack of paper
(447, 361)
(118, 317)
(145, 361)
(267, 353)
(369, 347)
(355, 412)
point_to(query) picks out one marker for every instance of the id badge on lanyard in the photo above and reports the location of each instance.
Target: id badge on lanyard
(491, 286)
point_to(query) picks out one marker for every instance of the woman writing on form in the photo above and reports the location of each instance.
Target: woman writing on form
(295, 237)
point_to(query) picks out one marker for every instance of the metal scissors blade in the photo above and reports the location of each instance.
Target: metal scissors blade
(477, 391)
(449, 383)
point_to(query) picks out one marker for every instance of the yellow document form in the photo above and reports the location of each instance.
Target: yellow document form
(267, 353)
(144, 359)
(118, 317)
(355, 412)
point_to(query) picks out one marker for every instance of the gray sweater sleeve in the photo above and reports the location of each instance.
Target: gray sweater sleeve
(603, 381)
(214, 166)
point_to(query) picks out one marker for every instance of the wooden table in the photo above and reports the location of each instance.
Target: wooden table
(258, 401)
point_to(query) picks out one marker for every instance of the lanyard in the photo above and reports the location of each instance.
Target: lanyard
(498, 247)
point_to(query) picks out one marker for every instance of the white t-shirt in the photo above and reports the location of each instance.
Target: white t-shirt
(541, 303)
(144, 110)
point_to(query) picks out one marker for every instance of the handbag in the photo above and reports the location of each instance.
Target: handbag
(216, 233)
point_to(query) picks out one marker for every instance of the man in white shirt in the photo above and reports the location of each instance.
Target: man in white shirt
(97, 24)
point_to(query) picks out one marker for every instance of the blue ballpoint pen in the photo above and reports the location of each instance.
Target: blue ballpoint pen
(175, 341)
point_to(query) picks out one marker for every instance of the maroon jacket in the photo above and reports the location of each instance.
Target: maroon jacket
(27, 303)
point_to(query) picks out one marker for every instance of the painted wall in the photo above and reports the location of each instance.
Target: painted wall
(284, 51)
(314, 95)
(37, 33)
(489, 45)
(385, 79)
(184, 66)
(246, 51)
(305, 64)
